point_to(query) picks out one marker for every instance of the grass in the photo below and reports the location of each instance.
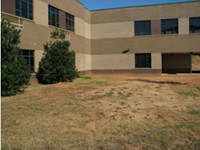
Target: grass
(85, 77)
(194, 112)
(198, 87)
(73, 117)
(186, 94)
(94, 82)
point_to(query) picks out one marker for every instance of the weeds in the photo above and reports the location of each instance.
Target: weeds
(93, 82)
(186, 94)
(123, 103)
(194, 112)
(85, 77)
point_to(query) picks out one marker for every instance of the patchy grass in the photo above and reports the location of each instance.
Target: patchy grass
(198, 87)
(94, 82)
(186, 94)
(121, 114)
(194, 112)
(85, 77)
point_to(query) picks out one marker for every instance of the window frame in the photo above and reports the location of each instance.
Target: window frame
(69, 21)
(193, 29)
(19, 9)
(146, 26)
(29, 56)
(148, 60)
(166, 22)
(53, 11)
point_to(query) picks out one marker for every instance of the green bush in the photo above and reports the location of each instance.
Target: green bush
(15, 74)
(58, 63)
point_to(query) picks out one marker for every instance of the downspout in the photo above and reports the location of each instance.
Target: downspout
(190, 63)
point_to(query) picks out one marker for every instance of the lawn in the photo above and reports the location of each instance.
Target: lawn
(105, 112)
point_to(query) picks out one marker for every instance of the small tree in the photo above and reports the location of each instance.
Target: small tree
(15, 74)
(57, 64)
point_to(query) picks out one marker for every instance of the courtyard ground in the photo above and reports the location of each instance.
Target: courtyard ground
(105, 112)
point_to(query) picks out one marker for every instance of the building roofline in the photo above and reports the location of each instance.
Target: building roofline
(82, 4)
(143, 5)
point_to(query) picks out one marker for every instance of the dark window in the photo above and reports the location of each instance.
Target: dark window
(195, 25)
(73, 59)
(169, 26)
(53, 16)
(142, 27)
(29, 56)
(24, 8)
(69, 22)
(142, 60)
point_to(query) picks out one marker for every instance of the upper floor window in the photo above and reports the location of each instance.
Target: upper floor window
(169, 26)
(143, 60)
(53, 16)
(142, 27)
(24, 8)
(69, 22)
(195, 25)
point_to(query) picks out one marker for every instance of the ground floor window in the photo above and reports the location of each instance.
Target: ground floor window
(143, 60)
(29, 56)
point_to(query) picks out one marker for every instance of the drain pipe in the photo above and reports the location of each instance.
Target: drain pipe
(190, 63)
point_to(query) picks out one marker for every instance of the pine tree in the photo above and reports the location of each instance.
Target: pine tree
(15, 74)
(57, 64)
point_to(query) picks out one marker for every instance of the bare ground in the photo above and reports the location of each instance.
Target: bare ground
(196, 62)
(107, 112)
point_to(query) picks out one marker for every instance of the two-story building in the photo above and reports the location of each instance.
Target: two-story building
(144, 39)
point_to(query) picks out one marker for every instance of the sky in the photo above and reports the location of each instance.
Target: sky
(104, 4)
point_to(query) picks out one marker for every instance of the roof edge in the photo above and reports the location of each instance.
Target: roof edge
(144, 5)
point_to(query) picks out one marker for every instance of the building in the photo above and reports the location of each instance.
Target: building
(145, 39)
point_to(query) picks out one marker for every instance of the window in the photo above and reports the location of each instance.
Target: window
(69, 22)
(24, 8)
(142, 27)
(53, 16)
(169, 26)
(29, 56)
(142, 60)
(73, 59)
(195, 25)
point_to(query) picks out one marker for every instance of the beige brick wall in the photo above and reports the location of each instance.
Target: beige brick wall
(87, 30)
(88, 62)
(40, 12)
(183, 25)
(80, 61)
(79, 26)
(37, 56)
(112, 30)
(156, 59)
(180, 10)
(113, 61)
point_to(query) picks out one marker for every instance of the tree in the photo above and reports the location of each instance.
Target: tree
(15, 74)
(57, 64)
